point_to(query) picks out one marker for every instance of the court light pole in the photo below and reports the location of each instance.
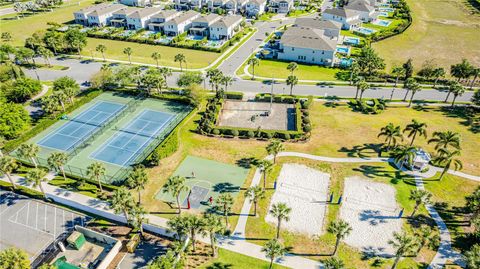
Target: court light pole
(271, 97)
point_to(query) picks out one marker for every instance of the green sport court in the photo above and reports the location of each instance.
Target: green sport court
(206, 178)
(116, 129)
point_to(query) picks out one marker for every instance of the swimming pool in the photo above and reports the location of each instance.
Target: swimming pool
(383, 14)
(351, 40)
(384, 23)
(386, 9)
(343, 50)
(346, 62)
(365, 31)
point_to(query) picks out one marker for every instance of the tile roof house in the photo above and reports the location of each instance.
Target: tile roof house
(364, 8)
(135, 3)
(235, 6)
(201, 24)
(280, 6)
(187, 4)
(158, 20)
(119, 17)
(226, 27)
(141, 17)
(254, 8)
(347, 17)
(102, 16)
(180, 23)
(332, 28)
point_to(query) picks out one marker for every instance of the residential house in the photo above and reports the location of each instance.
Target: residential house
(180, 23)
(332, 28)
(200, 26)
(307, 45)
(187, 4)
(364, 8)
(135, 3)
(102, 16)
(348, 18)
(255, 8)
(280, 6)
(141, 18)
(158, 20)
(235, 6)
(119, 17)
(213, 5)
(226, 27)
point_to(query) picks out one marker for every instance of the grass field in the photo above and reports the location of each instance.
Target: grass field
(304, 72)
(445, 37)
(229, 259)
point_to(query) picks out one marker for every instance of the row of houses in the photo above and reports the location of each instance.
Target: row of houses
(248, 7)
(169, 22)
(353, 13)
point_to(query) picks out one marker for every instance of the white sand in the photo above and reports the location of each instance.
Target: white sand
(305, 190)
(372, 211)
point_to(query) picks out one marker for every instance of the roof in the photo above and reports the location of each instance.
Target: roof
(210, 18)
(166, 13)
(359, 5)
(144, 12)
(257, 2)
(107, 9)
(228, 21)
(317, 23)
(125, 11)
(308, 38)
(340, 12)
(185, 16)
(92, 8)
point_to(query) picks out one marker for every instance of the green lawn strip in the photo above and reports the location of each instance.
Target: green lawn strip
(304, 72)
(74, 185)
(229, 259)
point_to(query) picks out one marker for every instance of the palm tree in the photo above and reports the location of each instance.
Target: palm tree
(403, 244)
(292, 81)
(29, 151)
(475, 73)
(101, 48)
(452, 87)
(445, 139)
(139, 218)
(180, 58)
(292, 67)
(362, 86)
(95, 171)
(253, 62)
(178, 225)
(473, 203)
(437, 74)
(226, 81)
(46, 54)
(265, 167)
(404, 155)
(415, 128)
(122, 202)
(457, 91)
(255, 194)
(333, 263)
(273, 249)
(165, 72)
(195, 226)
(412, 86)
(137, 180)
(7, 166)
(36, 177)
(340, 229)
(13, 258)
(225, 202)
(282, 212)
(447, 158)
(156, 56)
(420, 197)
(424, 235)
(398, 72)
(128, 51)
(274, 148)
(213, 226)
(391, 133)
(354, 70)
(175, 185)
(57, 161)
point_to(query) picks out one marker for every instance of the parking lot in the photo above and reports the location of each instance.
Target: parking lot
(32, 225)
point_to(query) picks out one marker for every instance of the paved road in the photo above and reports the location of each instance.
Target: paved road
(6, 11)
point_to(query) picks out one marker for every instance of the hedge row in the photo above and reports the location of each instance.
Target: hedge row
(234, 95)
(21, 190)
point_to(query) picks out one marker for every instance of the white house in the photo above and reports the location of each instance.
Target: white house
(347, 17)
(331, 28)
(226, 27)
(81, 16)
(235, 6)
(254, 8)
(364, 8)
(187, 4)
(307, 45)
(280, 6)
(215, 4)
(200, 26)
(157, 21)
(141, 18)
(102, 16)
(119, 17)
(135, 3)
(181, 23)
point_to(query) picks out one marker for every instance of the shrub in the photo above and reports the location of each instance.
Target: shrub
(306, 120)
(234, 132)
(234, 95)
(307, 128)
(306, 112)
(215, 131)
(267, 135)
(289, 99)
(250, 134)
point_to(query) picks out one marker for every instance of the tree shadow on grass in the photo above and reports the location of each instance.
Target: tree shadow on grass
(247, 162)
(375, 171)
(220, 265)
(362, 151)
(469, 114)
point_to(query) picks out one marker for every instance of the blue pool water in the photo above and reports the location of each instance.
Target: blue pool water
(365, 31)
(383, 14)
(343, 50)
(386, 9)
(345, 62)
(351, 40)
(383, 23)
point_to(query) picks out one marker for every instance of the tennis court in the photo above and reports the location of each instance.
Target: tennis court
(80, 127)
(130, 141)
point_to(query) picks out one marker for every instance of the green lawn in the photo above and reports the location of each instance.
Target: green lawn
(229, 259)
(267, 68)
(445, 37)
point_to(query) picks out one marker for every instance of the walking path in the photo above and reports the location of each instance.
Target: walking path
(237, 243)
(32, 108)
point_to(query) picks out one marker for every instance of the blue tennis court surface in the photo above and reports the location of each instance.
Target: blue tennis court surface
(130, 141)
(69, 135)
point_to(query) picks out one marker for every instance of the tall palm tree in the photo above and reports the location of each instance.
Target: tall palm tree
(101, 48)
(397, 71)
(139, 218)
(165, 72)
(282, 212)
(475, 74)
(333, 263)
(406, 85)
(128, 51)
(255, 194)
(213, 226)
(226, 81)
(57, 161)
(195, 226)
(7, 166)
(473, 203)
(445, 140)
(265, 167)
(392, 134)
(437, 74)
(413, 87)
(340, 229)
(273, 249)
(416, 128)
(156, 56)
(362, 86)
(178, 225)
(403, 244)
(275, 147)
(225, 202)
(424, 235)
(122, 202)
(253, 62)
(292, 81)
(447, 158)
(292, 67)
(458, 91)
(29, 151)
(95, 171)
(452, 87)
(180, 58)
(36, 177)
(137, 180)
(419, 197)
(174, 186)
(404, 155)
